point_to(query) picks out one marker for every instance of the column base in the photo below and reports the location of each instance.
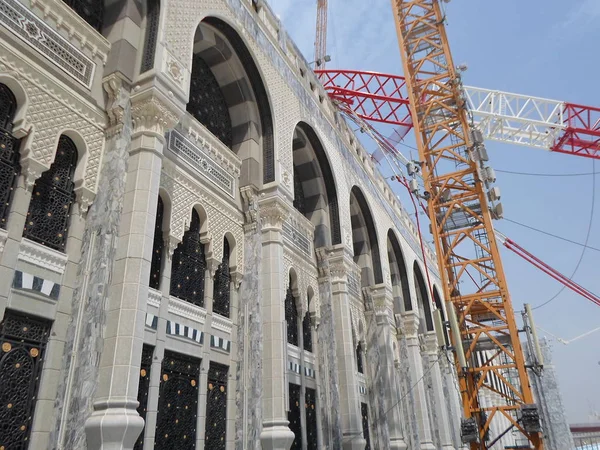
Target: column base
(398, 444)
(276, 436)
(114, 427)
(427, 446)
(448, 447)
(353, 442)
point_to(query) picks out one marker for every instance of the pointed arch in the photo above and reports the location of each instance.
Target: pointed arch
(315, 194)
(189, 265)
(9, 151)
(222, 283)
(53, 194)
(423, 300)
(291, 313)
(364, 237)
(157, 245)
(398, 274)
(228, 96)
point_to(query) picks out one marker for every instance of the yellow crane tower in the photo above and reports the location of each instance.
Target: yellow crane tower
(461, 219)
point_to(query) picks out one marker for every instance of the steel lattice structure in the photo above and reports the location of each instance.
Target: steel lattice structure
(506, 117)
(461, 220)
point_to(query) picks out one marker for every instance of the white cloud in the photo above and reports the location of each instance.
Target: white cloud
(583, 15)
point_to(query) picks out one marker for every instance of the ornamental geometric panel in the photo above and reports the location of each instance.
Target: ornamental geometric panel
(157, 247)
(221, 286)
(189, 265)
(32, 30)
(216, 407)
(294, 416)
(9, 152)
(48, 216)
(143, 388)
(310, 404)
(22, 344)
(177, 403)
(152, 16)
(291, 317)
(207, 102)
(364, 411)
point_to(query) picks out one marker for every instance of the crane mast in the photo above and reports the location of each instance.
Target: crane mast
(321, 40)
(470, 265)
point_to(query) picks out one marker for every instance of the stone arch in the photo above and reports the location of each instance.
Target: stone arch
(233, 250)
(167, 208)
(423, 301)
(437, 300)
(315, 194)
(228, 96)
(82, 153)
(364, 239)
(398, 274)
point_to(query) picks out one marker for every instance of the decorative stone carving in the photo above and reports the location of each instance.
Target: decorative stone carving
(37, 34)
(75, 26)
(410, 322)
(31, 170)
(85, 198)
(42, 256)
(249, 196)
(115, 110)
(184, 309)
(50, 110)
(273, 213)
(152, 113)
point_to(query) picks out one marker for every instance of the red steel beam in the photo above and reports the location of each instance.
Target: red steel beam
(382, 98)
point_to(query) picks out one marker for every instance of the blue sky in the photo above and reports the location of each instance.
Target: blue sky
(540, 48)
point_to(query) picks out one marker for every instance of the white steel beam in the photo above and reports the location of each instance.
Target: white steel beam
(513, 118)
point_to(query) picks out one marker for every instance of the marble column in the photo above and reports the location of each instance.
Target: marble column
(170, 244)
(115, 423)
(340, 263)
(382, 302)
(452, 393)
(440, 400)
(249, 381)
(276, 434)
(410, 322)
(329, 395)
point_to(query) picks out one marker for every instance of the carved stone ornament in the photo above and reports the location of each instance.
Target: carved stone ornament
(115, 109)
(410, 322)
(273, 213)
(249, 199)
(171, 243)
(85, 198)
(31, 170)
(322, 262)
(152, 113)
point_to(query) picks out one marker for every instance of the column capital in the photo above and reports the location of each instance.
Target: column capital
(273, 213)
(85, 197)
(410, 323)
(153, 113)
(431, 343)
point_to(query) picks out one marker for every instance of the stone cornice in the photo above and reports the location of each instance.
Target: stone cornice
(42, 256)
(76, 28)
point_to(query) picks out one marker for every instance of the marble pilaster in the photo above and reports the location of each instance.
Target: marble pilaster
(440, 401)
(276, 434)
(351, 424)
(115, 421)
(411, 326)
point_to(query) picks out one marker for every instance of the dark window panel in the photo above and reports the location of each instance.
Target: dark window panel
(221, 302)
(143, 389)
(291, 317)
(294, 415)
(216, 407)
(157, 247)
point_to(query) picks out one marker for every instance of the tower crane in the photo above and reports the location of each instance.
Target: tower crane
(450, 122)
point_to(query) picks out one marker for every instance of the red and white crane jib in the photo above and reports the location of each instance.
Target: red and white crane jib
(512, 118)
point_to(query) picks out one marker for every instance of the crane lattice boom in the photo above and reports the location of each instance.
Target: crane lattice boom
(467, 251)
(502, 116)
